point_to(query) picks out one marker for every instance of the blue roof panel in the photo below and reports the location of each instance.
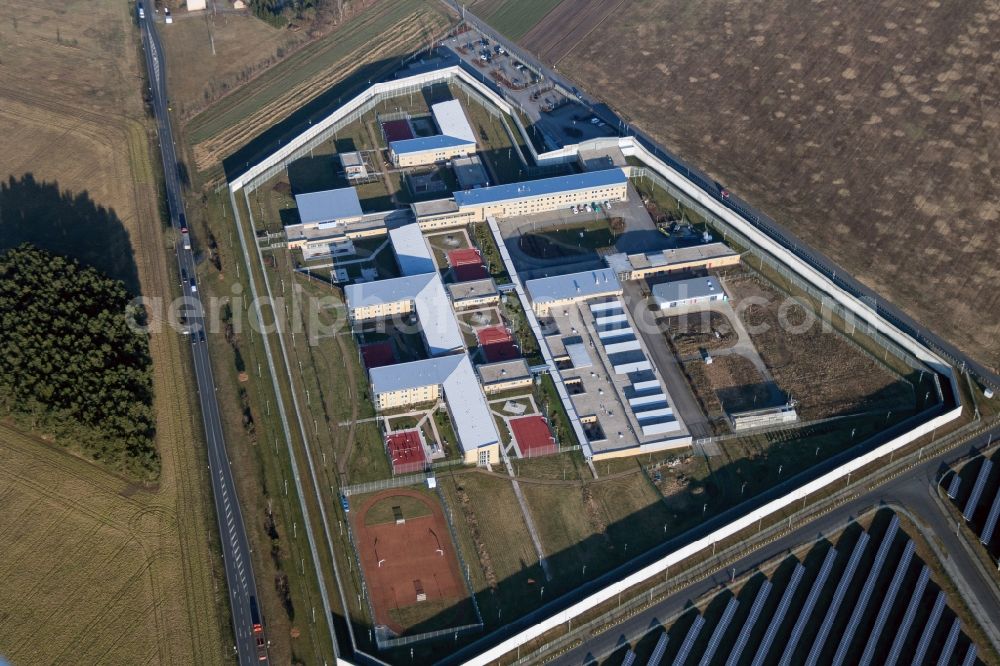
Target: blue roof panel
(542, 187)
(424, 143)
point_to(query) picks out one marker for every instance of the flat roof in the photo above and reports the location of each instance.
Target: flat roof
(578, 355)
(470, 172)
(451, 120)
(682, 255)
(573, 285)
(352, 159)
(470, 413)
(539, 188)
(503, 371)
(328, 205)
(694, 252)
(472, 289)
(425, 143)
(437, 320)
(434, 207)
(411, 250)
(680, 290)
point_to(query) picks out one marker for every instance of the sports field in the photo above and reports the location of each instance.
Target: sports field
(533, 436)
(467, 264)
(497, 343)
(97, 569)
(408, 558)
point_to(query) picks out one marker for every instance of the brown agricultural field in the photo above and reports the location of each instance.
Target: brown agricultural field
(571, 22)
(377, 36)
(870, 130)
(232, 48)
(97, 569)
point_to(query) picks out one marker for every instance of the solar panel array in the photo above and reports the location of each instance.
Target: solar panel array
(991, 520)
(911, 612)
(929, 628)
(838, 598)
(977, 490)
(861, 635)
(866, 592)
(744, 637)
(887, 604)
(719, 632)
(807, 609)
(949, 644)
(659, 650)
(692, 636)
(953, 487)
(779, 615)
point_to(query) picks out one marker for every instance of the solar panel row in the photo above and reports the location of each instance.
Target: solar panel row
(866, 592)
(911, 612)
(949, 644)
(744, 637)
(659, 650)
(807, 609)
(719, 632)
(991, 520)
(887, 604)
(779, 616)
(838, 598)
(692, 636)
(977, 490)
(929, 629)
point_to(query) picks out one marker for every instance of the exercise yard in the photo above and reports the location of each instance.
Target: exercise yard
(397, 130)
(467, 264)
(409, 561)
(532, 437)
(406, 451)
(378, 354)
(497, 344)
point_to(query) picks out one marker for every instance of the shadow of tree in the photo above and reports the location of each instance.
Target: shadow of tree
(66, 223)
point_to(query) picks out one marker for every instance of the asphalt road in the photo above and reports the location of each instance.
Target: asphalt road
(915, 491)
(232, 532)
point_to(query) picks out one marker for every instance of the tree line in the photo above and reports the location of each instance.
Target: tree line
(71, 364)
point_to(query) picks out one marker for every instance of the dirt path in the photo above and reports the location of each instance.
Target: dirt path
(550, 482)
(349, 448)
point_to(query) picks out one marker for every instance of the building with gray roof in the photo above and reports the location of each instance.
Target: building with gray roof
(411, 249)
(329, 207)
(453, 379)
(421, 294)
(688, 292)
(559, 290)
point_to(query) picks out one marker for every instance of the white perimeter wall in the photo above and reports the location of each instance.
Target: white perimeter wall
(806, 272)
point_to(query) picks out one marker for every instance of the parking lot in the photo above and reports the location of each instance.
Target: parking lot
(561, 120)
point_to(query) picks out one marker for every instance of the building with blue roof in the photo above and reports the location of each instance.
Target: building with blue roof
(456, 139)
(539, 196)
